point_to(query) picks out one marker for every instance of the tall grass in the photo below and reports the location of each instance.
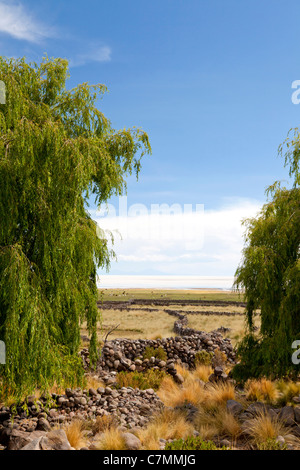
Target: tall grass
(216, 421)
(263, 428)
(169, 424)
(111, 439)
(75, 434)
(261, 390)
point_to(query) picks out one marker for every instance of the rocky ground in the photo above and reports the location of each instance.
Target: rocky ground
(40, 423)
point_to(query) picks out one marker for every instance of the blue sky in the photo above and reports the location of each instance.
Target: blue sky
(210, 81)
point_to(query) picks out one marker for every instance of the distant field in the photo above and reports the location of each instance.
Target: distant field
(193, 294)
(152, 321)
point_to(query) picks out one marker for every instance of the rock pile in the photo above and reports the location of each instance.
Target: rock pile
(128, 355)
(130, 407)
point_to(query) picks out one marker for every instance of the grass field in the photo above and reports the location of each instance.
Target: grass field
(169, 294)
(138, 322)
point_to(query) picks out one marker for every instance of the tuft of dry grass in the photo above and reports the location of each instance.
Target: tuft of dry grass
(217, 422)
(261, 390)
(75, 434)
(111, 439)
(94, 382)
(202, 372)
(104, 423)
(174, 395)
(263, 428)
(169, 424)
(183, 371)
(218, 394)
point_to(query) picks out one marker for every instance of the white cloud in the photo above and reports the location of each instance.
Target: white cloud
(94, 53)
(18, 23)
(208, 243)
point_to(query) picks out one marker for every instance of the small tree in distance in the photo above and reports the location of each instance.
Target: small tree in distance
(56, 150)
(270, 277)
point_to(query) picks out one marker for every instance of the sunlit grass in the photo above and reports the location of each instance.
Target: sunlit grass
(169, 424)
(212, 422)
(261, 390)
(75, 434)
(263, 428)
(111, 439)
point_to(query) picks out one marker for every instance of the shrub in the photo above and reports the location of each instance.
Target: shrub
(219, 358)
(203, 358)
(158, 353)
(287, 390)
(272, 444)
(152, 378)
(192, 443)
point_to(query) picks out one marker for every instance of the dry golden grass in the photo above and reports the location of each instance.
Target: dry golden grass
(192, 390)
(205, 308)
(135, 324)
(94, 382)
(217, 422)
(261, 390)
(104, 423)
(263, 427)
(213, 322)
(111, 439)
(75, 434)
(169, 424)
(184, 372)
(173, 395)
(138, 323)
(218, 393)
(202, 372)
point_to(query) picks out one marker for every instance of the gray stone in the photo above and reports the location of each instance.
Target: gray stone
(131, 441)
(287, 415)
(19, 439)
(297, 414)
(257, 408)
(234, 407)
(43, 425)
(35, 444)
(218, 371)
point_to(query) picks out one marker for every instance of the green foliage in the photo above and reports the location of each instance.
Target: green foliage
(56, 150)
(192, 443)
(270, 276)
(158, 353)
(287, 391)
(203, 358)
(271, 444)
(152, 378)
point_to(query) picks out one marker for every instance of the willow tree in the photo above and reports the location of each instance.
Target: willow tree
(57, 150)
(270, 277)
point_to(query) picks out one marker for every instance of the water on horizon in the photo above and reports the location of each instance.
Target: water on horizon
(165, 282)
